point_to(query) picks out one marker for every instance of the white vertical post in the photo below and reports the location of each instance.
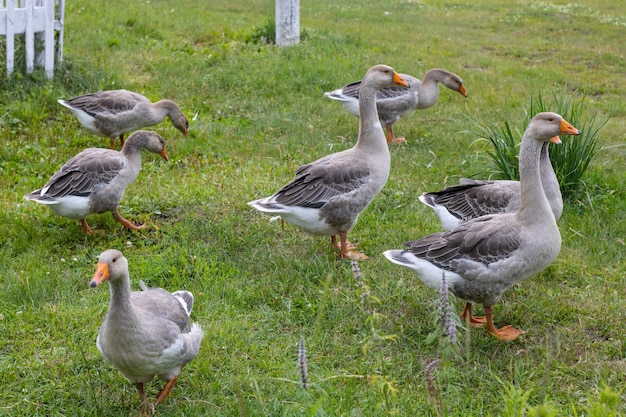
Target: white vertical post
(49, 39)
(287, 22)
(29, 37)
(10, 36)
(60, 22)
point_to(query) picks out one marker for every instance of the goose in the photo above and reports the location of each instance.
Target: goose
(94, 180)
(145, 333)
(485, 256)
(394, 103)
(327, 195)
(111, 113)
(474, 198)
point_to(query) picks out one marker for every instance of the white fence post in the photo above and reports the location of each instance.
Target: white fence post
(59, 22)
(8, 24)
(36, 20)
(287, 22)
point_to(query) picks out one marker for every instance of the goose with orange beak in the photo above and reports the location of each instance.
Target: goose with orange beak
(327, 195)
(482, 258)
(94, 181)
(145, 333)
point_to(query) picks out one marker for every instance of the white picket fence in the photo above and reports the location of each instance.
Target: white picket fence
(37, 20)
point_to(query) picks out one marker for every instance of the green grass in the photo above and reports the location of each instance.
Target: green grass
(259, 113)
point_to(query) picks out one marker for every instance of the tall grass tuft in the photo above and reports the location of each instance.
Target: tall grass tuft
(570, 160)
(264, 34)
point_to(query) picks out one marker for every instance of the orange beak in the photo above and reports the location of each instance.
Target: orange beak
(164, 155)
(568, 129)
(462, 90)
(399, 81)
(555, 139)
(101, 275)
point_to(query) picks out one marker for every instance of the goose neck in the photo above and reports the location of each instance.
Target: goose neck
(428, 89)
(370, 130)
(163, 108)
(534, 204)
(120, 292)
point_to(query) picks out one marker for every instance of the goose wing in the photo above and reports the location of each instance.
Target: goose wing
(317, 183)
(84, 172)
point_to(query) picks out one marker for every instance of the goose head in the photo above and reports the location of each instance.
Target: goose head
(447, 78)
(381, 76)
(180, 122)
(149, 140)
(454, 82)
(547, 126)
(112, 265)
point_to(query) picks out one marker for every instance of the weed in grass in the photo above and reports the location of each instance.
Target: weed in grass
(264, 34)
(543, 410)
(433, 392)
(302, 365)
(447, 323)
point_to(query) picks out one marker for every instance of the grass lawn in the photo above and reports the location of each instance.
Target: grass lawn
(373, 341)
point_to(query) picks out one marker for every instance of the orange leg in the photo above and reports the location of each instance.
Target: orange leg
(505, 333)
(473, 321)
(343, 249)
(125, 222)
(85, 227)
(343, 245)
(346, 249)
(112, 142)
(144, 401)
(390, 137)
(162, 395)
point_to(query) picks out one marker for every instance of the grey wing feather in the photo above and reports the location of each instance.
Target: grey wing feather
(475, 199)
(81, 174)
(160, 303)
(103, 102)
(391, 93)
(185, 297)
(315, 184)
(480, 240)
(352, 89)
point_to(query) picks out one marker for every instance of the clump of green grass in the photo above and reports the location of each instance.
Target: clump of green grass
(570, 160)
(263, 34)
